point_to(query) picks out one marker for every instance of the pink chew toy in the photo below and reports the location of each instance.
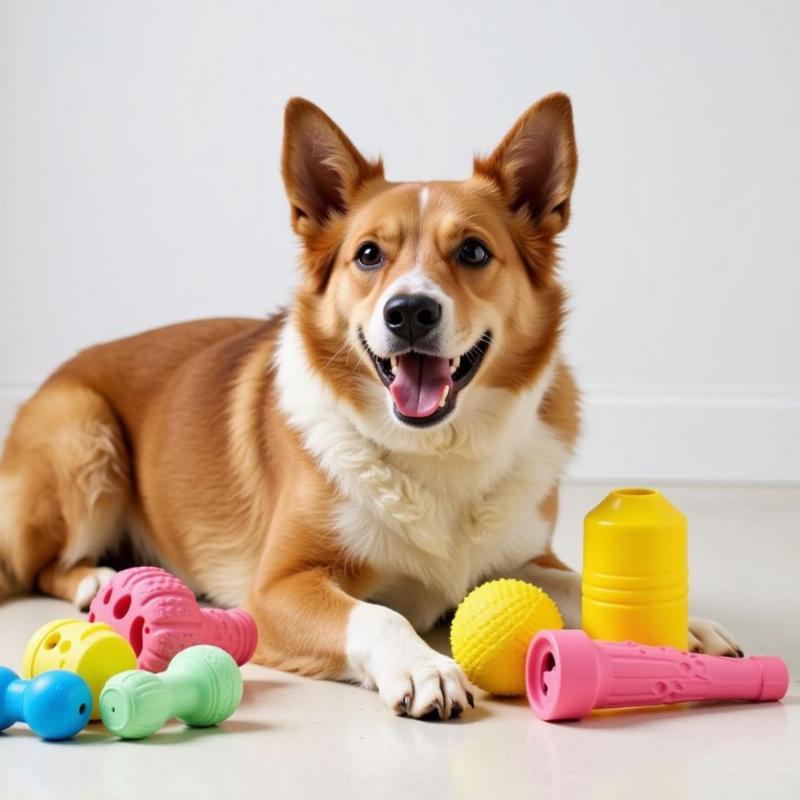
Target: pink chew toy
(160, 617)
(567, 674)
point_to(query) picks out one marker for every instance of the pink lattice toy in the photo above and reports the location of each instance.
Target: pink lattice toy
(159, 616)
(568, 674)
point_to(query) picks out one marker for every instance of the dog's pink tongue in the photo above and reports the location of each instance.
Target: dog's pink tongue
(419, 384)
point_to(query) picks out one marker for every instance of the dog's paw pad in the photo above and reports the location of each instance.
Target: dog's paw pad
(707, 636)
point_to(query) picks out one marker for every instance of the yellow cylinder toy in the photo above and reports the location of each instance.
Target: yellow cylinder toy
(93, 650)
(635, 575)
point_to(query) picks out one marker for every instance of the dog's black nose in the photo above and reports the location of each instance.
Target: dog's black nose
(411, 316)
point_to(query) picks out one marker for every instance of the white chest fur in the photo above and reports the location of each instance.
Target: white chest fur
(433, 512)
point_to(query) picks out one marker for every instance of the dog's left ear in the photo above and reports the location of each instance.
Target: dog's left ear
(535, 164)
(322, 169)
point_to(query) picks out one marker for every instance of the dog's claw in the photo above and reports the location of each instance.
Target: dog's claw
(470, 700)
(428, 686)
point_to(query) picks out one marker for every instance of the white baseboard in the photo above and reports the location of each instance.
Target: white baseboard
(723, 434)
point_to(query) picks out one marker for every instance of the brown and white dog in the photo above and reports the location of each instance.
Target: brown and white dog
(350, 468)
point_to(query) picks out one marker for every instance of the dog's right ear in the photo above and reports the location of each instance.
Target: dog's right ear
(322, 169)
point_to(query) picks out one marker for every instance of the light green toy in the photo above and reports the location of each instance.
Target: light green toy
(201, 687)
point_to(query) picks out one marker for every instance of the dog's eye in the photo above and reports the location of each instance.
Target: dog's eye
(369, 256)
(473, 253)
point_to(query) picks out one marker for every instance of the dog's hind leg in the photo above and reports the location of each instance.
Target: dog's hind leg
(78, 583)
(64, 487)
(559, 581)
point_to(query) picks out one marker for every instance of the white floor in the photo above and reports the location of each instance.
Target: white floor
(294, 737)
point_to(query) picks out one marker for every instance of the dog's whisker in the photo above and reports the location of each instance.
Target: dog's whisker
(487, 339)
(351, 350)
(336, 355)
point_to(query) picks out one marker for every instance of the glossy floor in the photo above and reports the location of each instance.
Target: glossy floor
(301, 738)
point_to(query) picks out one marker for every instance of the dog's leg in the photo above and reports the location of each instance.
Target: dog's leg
(63, 490)
(564, 586)
(551, 575)
(78, 584)
(384, 651)
(559, 581)
(309, 624)
(707, 636)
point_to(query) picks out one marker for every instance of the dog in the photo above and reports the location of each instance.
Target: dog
(350, 468)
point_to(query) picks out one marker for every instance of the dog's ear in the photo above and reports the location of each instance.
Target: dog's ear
(534, 166)
(321, 167)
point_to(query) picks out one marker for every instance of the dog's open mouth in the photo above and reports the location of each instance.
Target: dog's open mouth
(424, 387)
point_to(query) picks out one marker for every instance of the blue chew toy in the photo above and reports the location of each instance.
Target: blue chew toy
(55, 704)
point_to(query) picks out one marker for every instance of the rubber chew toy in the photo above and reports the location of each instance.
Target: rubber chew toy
(202, 687)
(55, 705)
(635, 577)
(159, 616)
(92, 650)
(491, 631)
(568, 675)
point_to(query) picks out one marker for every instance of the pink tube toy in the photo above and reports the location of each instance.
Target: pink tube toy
(160, 617)
(567, 674)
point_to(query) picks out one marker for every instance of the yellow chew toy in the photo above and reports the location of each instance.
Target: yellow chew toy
(492, 629)
(635, 576)
(91, 649)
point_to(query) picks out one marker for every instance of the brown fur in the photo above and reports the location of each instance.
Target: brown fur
(179, 429)
(59, 581)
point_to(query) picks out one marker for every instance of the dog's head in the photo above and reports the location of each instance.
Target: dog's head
(414, 293)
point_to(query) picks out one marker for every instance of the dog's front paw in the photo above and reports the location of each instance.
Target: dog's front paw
(425, 686)
(89, 586)
(707, 636)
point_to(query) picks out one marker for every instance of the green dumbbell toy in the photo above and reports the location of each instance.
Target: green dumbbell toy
(201, 687)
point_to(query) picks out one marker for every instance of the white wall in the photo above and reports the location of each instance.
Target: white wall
(139, 147)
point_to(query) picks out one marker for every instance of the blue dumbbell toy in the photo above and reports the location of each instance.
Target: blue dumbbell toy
(55, 704)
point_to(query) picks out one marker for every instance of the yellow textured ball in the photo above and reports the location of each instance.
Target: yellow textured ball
(492, 629)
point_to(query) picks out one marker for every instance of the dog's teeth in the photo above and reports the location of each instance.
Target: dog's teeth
(454, 364)
(393, 363)
(444, 396)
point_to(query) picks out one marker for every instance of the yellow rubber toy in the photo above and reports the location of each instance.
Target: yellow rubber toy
(635, 576)
(91, 649)
(492, 629)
